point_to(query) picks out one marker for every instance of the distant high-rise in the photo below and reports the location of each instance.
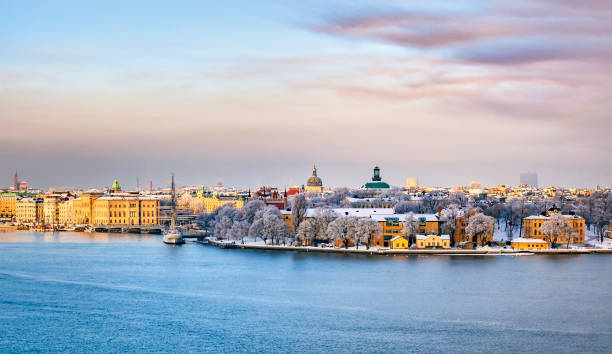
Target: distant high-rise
(15, 181)
(150, 188)
(530, 179)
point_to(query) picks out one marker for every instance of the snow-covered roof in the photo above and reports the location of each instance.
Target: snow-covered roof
(402, 217)
(357, 200)
(527, 240)
(397, 237)
(126, 198)
(358, 212)
(537, 217)
(425, 237)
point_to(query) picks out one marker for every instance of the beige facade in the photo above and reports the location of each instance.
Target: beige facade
(66, 212)
(51, 210)
(28, 211)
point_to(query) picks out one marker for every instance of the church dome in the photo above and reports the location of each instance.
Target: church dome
(314, 180)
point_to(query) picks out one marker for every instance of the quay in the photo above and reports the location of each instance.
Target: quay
(406, 252)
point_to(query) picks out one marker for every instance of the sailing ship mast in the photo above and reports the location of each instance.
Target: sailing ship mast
(173, 207)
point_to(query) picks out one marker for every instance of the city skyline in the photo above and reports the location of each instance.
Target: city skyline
(254, 94)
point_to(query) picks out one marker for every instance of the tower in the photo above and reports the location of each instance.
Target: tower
(15, 181)
(376, 177)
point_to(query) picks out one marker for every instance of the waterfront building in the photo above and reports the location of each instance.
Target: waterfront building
(8, 206)
(66, 212)
(29, 211)
(51, 209)
(399, 242)
(431, 241)
(533, 223)
(377, 182)
(83, 208)
(314, 182)
(123, 209)
(522, 243)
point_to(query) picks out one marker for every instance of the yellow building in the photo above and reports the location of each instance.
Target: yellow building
(399, 242)
(529, 244)
(534, 222)
(431, 241)
(314, 182)
(125, 210)
(82, 208)
(8, 206)
(66, 212)
(393, 226)
(286, 216)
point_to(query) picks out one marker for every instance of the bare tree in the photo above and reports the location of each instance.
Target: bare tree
(298, 210)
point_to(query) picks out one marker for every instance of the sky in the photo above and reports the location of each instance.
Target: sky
(254, 93)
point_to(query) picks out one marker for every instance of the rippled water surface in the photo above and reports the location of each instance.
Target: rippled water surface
(70, 292)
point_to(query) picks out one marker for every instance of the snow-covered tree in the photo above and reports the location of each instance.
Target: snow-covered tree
(239, 230)
(556, 227)
(479, 225)
(342, 229)
(522, 209)
(249, 210)
(601, 213)
(269, 225)
(224, 220)
(459, 199)
(322, 218)
(405, 206)
(411, 227)
(449, 217)
(298, 210)
(366, 230)
(306, 232)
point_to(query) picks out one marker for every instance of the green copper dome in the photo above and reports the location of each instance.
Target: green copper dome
(116, 186)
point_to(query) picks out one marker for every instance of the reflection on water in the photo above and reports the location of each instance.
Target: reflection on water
(74, 237)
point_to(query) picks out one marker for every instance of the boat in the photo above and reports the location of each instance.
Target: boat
(173, 237)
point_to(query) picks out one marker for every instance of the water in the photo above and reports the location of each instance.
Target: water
(70, 292)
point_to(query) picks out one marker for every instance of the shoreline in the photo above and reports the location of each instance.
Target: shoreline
(392, 252)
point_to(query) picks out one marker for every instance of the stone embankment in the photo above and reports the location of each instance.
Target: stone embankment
(452, 251)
